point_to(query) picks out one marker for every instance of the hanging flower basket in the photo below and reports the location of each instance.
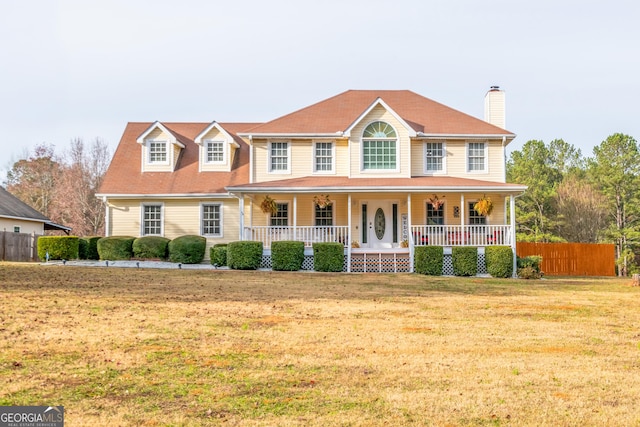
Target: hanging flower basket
(269, 206)
(435, 202)
(322, 201)
(484, 206)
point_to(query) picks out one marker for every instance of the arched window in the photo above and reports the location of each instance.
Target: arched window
(379, 147)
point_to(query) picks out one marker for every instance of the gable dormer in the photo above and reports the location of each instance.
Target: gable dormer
(160, 149)
(380, 139)
(216, 149)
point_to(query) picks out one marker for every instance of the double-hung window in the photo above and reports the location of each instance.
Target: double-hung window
(157, 151)
(477, 156)
(152, 220)
(323, 157)
(474, 217)
(324, 216)
(379, 147)
(215, 151)
(212, 219)
(434, 157)
(279, 157)
(281, 217)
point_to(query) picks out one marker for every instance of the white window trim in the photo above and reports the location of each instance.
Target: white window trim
(142, 206)
(426, 212)
(444, 158)
(157, 141)
(362, 141)
(202, 205)
(313, 214)
(332, 171)
(205, 147)
(17, 229)
(486, 157)
(288, 170)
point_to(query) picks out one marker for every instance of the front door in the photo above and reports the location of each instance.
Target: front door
(379, 220)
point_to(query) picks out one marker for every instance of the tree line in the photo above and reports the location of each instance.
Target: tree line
(573, 198)
(63, 186)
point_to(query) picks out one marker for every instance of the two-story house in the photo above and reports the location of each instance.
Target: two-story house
(379, 171)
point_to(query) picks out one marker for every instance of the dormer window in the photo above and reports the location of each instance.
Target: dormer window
(215, 151)
(379, 147)
(157, 151)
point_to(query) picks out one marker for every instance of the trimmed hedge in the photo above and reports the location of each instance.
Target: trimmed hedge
(218, 254)
(187, 249)
(115, 248)
(150, 247)
(328, 256)
(58, 247)
(88, 247)
(465, 260)
(499, 261)
(287, 255)
(244, 255)
(428, 260)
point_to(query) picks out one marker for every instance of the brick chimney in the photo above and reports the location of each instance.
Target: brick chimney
(494, 107)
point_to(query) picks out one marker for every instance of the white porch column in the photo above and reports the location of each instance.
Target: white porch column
(107, 217)
(241, 209)
(463, 210)
(512, 209)
(350, 237)
(295, 216)
(410, 236)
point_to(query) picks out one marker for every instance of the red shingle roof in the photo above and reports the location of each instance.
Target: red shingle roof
(338, 113)
(125, 176)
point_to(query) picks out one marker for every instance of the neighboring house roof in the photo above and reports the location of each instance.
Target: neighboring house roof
(124, 176)
(341, 184)
(14, 208)
(339, 113)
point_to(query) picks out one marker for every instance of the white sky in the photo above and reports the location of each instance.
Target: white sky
(82, 68)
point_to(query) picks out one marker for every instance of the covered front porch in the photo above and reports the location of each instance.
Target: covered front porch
(379, 231)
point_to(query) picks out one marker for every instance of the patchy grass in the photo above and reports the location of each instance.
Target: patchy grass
(186, 347)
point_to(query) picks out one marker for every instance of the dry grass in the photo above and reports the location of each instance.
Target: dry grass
(177, 347)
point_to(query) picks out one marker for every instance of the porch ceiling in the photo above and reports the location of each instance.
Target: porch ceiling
(339, 184)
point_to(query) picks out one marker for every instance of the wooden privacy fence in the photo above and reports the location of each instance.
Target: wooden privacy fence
(572, 259)
(18, 246)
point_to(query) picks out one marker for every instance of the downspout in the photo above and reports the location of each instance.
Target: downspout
(241, 209)
(107, 217)
(504, 156)
(250, 159)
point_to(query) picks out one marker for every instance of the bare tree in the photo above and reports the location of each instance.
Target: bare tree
(582, 209)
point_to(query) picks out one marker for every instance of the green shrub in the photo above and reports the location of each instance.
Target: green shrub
(244, 255)
(465, 260)
(82, 248)
(529, 267)
(218, 254)
(91, 247)
(499, 261)
(187, 249)
(115, 248)
(328, 256)
(58, 247)
(428, 260)
(287, 255)
(150, 247)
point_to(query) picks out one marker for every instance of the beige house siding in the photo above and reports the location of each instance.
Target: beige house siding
(404, 152)
(180, 217)
(419, 208)
(305, 210)
(28, 227)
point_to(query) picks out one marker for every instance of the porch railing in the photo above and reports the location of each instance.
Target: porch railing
(461, 235)
(309, 235)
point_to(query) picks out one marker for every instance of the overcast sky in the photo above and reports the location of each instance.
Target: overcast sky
(81, 68)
